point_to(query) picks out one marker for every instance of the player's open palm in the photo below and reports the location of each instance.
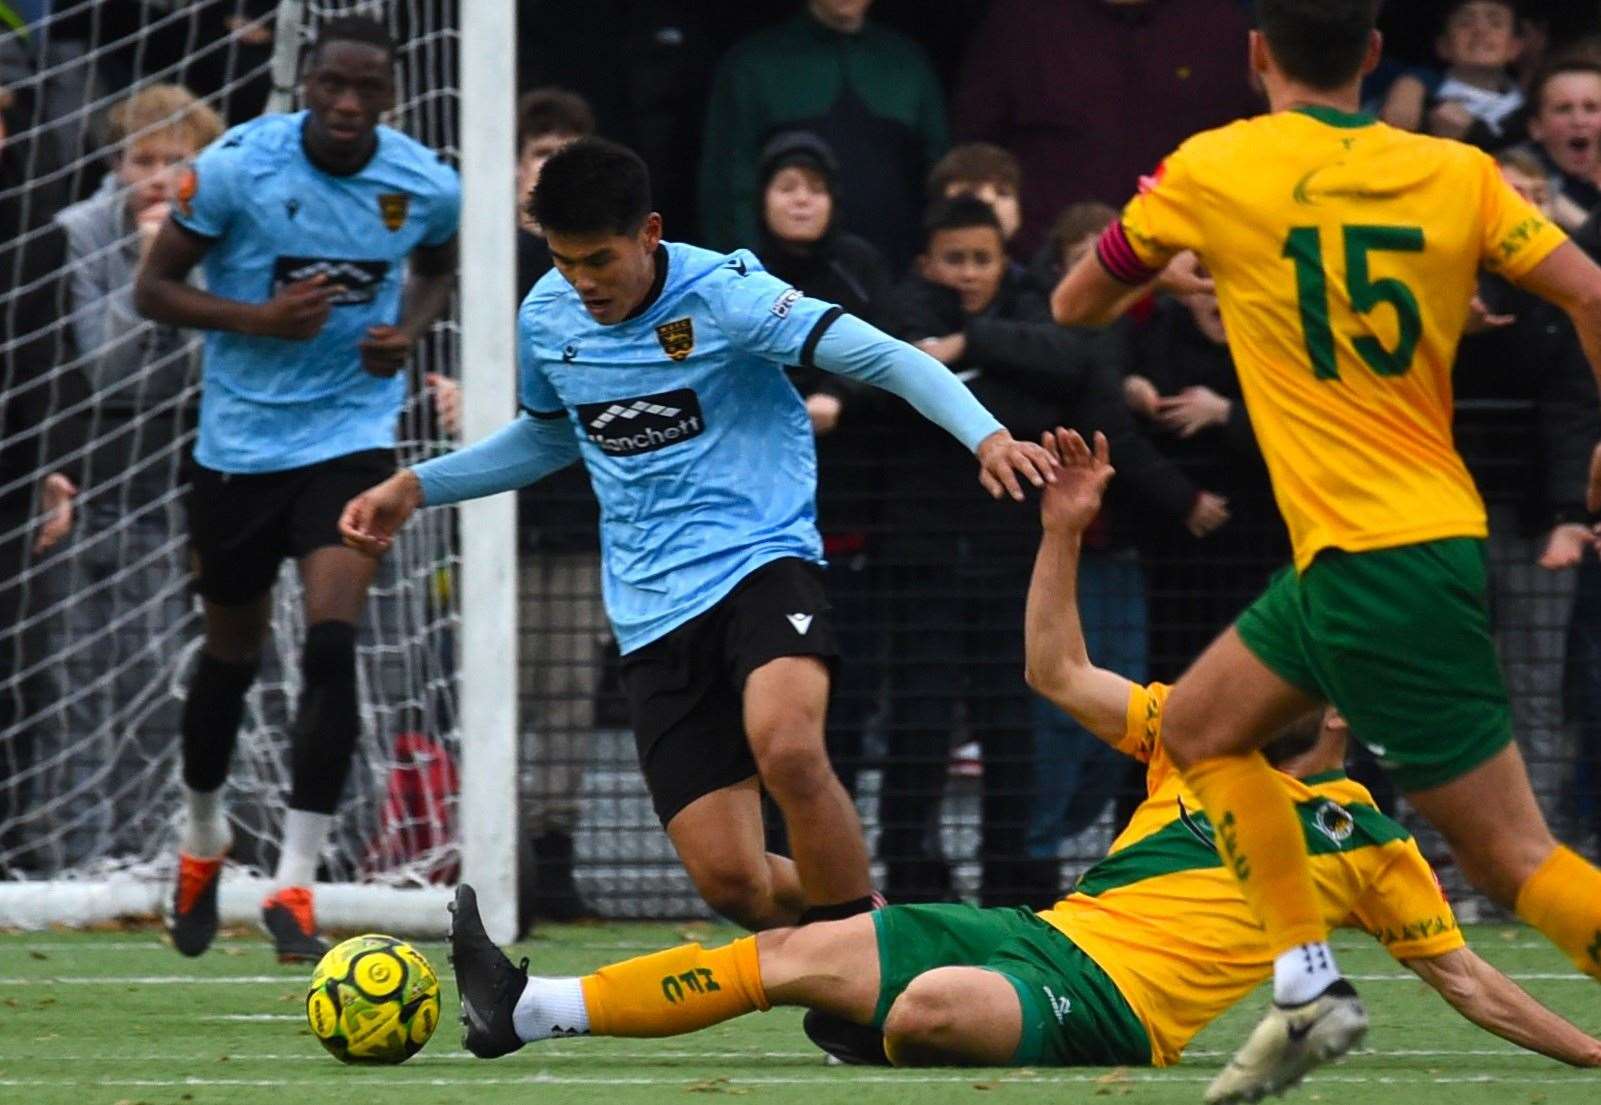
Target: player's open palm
(1071, 503)
(371, 520)
(299, 310)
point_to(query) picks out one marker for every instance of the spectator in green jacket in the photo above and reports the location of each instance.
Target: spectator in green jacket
(868, 92)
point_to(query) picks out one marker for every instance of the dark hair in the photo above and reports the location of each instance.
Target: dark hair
(1297, 738)
(974, 163)
(1560, 67)
(957, 213)
(1318, 42)
(1077, 222)
(552, 111)
(353, 28)
(592, 186)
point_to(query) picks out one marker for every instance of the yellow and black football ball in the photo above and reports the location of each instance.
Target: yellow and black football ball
(373, 999)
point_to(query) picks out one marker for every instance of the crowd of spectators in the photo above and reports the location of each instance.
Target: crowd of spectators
(936, 185)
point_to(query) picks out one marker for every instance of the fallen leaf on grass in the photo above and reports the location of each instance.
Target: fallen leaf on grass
(1116, 1082)
(714, 1085)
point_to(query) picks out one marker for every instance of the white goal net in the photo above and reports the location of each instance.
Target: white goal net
(99, 632)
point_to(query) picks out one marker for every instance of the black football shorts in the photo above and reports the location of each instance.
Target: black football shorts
(242, 526)
(686, 690)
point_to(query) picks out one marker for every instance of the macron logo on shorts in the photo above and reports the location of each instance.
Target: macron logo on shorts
(801, 622)
(643, 423)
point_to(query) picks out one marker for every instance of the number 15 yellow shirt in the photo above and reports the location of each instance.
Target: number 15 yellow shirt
(1345, 253)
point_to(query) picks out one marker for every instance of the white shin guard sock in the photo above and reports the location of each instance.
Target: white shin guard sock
(304, 835)
(206, 834)
(1303, 973)
(551, 1007)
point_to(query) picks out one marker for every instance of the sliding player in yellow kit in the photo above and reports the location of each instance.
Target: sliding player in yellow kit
(1345, 255)
(1154, 942)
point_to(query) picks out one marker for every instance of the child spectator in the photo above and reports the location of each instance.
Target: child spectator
(1565, 129)
(1477, 100)
(1072, 235)
(131, 575)
(986, 172)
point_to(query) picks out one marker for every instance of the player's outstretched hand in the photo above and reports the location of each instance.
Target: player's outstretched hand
(372, 519)
(1002, 458)
(385, 349)
(298, 311)
(1071, 503)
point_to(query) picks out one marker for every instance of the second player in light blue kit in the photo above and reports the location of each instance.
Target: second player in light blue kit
(661, 366)
(311, 229)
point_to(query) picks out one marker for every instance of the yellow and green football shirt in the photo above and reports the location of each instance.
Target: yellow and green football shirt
(1345, 254)
(1166, 920)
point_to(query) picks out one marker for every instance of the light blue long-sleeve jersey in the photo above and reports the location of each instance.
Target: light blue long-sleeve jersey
(699, 448)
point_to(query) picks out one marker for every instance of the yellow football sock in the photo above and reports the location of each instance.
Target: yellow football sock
(1260, 839)
(674, 991)
(1563, 900)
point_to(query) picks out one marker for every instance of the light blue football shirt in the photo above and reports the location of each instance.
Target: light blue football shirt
(269, 404)
(699, 448)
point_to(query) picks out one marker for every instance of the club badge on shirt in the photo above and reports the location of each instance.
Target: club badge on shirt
(393, 206)
(677, 337)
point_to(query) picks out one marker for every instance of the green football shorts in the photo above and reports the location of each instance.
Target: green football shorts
(1073, 1014)
(1399, 641)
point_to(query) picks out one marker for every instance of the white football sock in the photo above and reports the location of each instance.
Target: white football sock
(206, 834)
(304, 835)
(1303, 972)
(551, 1007)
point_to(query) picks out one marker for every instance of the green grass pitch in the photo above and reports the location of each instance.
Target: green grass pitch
(119, 1018)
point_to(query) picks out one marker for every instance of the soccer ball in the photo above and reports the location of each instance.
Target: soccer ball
(373, 999)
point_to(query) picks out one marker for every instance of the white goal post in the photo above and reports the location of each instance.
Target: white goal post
(489, 636)
(89, 816)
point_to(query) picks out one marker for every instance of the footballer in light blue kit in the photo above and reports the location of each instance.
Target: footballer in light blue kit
(661, 366)
(328, 244)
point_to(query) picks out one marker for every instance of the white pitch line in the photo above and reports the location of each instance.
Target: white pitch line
(978, 1076)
